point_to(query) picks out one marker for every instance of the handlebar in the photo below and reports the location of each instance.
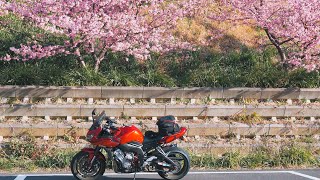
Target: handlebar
(102, 116)
(110, 123)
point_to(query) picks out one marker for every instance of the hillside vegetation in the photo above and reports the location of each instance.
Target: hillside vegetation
(234, 60)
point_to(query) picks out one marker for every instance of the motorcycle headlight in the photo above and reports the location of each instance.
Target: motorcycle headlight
(89, 137)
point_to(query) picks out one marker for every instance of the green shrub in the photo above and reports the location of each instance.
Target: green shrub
(5, 164)
(258, 158)
(85, 77)
(295, 156)
(203, 160)
(57, 159)
(229, 160)
(21, 148)
(26, 164)
(247, 68)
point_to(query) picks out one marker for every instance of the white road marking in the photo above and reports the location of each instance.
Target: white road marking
(304, 175)
(193, 172)
(239, 172)
(20, 177)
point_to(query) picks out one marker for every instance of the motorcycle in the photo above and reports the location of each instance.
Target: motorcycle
(126, 150)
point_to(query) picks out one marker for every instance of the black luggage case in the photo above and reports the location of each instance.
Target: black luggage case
(167, 126)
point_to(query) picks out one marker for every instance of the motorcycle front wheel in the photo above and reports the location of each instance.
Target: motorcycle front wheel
(182, 159)
(80, 167)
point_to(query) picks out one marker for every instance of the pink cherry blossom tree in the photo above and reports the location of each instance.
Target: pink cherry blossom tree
(292, 26)
(2, 7)
(96, 27)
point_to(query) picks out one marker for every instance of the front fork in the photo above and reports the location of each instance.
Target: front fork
(95, 154)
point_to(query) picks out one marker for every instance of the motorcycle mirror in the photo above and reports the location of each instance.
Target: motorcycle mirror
(94, 112)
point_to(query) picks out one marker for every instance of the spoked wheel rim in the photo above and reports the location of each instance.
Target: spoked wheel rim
(83, 167)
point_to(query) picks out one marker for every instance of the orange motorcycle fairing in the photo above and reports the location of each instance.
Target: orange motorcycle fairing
(106, 142)
(168, 139)
(90, 152)
(128, 134)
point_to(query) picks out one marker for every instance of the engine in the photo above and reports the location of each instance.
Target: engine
(124, 161)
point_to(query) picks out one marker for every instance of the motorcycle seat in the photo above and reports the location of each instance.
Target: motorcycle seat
(151, 136)
(151, 139)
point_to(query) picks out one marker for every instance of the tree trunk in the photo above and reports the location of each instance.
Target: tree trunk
(282, 55)
(97, 64)
(277, 44)
(98, 59)
(81, 62)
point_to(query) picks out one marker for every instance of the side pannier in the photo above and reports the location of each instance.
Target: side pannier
(167, 126)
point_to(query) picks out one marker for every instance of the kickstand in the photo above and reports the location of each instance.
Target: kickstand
(134, 176)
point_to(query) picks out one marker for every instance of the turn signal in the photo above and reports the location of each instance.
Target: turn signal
(184, 138)
(89, 137)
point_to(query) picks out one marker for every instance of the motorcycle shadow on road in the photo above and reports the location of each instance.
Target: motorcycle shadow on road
(128, 178)
(102, 178)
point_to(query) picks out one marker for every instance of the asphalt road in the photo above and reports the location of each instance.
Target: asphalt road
(313, 174)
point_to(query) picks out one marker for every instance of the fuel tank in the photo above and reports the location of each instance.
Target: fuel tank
(128, 134)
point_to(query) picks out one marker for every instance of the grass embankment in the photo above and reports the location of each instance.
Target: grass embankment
(247, 68)
(288, 156)
(25, 154)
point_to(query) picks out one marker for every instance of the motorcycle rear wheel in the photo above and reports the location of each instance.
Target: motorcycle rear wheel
(80, 167)
(182, 159)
